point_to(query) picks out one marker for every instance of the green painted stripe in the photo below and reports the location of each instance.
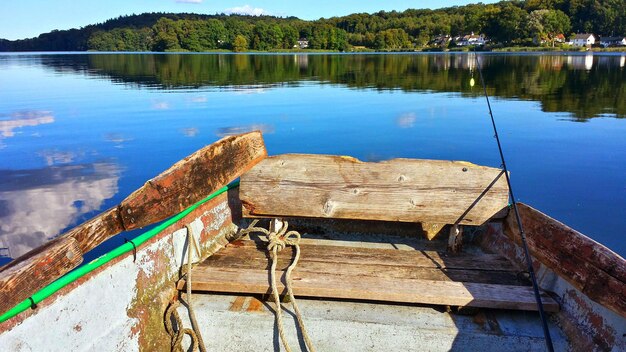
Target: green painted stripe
(98, 262)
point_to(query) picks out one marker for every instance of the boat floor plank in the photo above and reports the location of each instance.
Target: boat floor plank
(423, 277)
(318, 251)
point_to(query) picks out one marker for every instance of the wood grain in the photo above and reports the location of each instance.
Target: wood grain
(340, 255)
(25, 275)
(589, 266)
(323, 186)
(408, 276)
(328, 285)
(95, 231)
(192, 179)
(371, 270)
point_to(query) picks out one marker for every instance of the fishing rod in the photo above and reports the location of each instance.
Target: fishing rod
(531, 271)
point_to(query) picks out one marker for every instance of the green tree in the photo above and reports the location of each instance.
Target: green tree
(165, 35)
(240, 43)
(545, 25)
(392, 39)
(290, 36)
(505, 24)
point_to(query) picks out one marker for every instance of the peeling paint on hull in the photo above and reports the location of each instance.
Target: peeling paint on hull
(588, 325)
(119, 306)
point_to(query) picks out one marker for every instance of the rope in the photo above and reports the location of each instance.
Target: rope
(194, 332)
(194, 323)
(277, 241)
(177, 334)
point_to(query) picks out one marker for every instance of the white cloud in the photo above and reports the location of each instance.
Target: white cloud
(246, 10)
(189, 1)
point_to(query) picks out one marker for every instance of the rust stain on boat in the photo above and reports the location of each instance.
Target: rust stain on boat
(237, 304)
(256, 305)
(590, 322)
(152, 298)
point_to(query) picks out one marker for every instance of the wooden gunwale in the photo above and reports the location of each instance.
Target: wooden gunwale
(589, 266)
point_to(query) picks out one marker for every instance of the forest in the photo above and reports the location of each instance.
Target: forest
(506, 23)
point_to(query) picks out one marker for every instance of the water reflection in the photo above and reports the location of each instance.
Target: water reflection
(230, 131)
(586, 86)
(55, 157)
(190, 132)
(581, 62)
(117, 139)
(11, 122)
(37, 204)
(406, 120)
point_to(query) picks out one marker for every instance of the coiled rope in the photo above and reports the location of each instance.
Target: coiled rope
(177, 334)
(194, 333)
(279, 239)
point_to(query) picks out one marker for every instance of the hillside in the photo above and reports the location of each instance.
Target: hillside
(507, 23)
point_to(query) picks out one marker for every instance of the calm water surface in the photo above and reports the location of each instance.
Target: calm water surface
(78, 133)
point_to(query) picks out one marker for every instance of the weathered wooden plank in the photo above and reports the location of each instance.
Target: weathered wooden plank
(377, 256)
(589, 266)
(324, 186)
(28, 273)
(329, 285)
(95, 231)
(191, 179)
(370, 270)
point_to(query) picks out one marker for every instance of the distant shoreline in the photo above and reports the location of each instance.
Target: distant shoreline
(521, 50)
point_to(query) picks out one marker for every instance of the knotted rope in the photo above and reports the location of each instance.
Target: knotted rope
(180, 332)
(277, 241)
(194, 334)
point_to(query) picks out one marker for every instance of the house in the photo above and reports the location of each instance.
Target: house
(584, 39)
(559, 38)
(301, 44)
(441, 40)
(471, 39)
(612, 41)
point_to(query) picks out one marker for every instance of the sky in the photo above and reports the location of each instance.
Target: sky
(28, 18)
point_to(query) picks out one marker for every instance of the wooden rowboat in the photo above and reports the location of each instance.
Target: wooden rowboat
(397, 255)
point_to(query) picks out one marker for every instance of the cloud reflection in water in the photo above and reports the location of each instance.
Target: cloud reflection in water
(37, 204)
(10, 122)
(230, 131)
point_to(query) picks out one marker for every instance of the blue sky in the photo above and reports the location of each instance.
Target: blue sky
(28, 18)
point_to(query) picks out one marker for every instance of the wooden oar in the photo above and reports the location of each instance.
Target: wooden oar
(185, 183)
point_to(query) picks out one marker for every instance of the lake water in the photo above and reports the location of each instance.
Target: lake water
(78, 133)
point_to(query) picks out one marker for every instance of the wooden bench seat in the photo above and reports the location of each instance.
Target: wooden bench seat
(432, 192)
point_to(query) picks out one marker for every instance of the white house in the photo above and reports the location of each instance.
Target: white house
(612, 41)
(302, 43)
(471, 39)
(584, 39)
